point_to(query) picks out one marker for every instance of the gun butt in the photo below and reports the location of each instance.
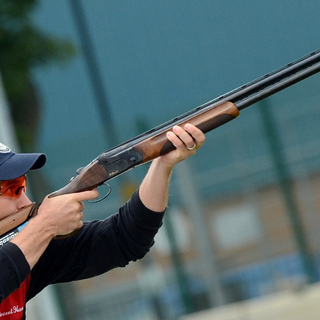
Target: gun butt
(16, 219)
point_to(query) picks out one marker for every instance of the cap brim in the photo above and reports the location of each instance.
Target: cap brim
(20, 163)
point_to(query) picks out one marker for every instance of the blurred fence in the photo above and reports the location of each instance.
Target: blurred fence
(245, 221)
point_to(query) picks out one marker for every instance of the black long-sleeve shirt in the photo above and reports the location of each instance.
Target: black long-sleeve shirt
(99, 247)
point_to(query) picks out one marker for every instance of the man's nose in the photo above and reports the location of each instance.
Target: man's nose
(23, 200)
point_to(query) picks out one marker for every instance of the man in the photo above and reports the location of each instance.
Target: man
(31, 260)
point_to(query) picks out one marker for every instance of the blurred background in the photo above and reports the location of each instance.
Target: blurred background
(242, 227)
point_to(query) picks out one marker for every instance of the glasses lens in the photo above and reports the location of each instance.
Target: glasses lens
(13, 188)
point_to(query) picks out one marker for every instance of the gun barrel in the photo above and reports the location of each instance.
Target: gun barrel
(242, 96)
(276, 81)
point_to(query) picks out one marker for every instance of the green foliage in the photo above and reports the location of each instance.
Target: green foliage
(22, 47)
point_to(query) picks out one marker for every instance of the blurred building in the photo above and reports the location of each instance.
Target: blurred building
(158, 60)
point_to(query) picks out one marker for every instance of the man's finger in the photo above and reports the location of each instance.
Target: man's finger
(196, 133)
(86, 195)
(184, 136)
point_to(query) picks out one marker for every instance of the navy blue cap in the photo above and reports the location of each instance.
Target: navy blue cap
(14, 165)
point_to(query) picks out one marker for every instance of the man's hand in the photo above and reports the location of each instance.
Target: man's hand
(63, 214)
(154, 188)
(187, 140)
(56, 216)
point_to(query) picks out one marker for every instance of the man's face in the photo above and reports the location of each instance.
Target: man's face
(13, 196)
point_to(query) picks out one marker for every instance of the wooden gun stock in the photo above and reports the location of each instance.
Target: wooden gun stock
(158, 145)
(11, 225)
(16, 219)
(207, 117)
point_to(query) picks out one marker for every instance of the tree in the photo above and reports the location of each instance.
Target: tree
(24, 46)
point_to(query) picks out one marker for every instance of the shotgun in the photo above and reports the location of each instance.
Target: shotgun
(153, 143)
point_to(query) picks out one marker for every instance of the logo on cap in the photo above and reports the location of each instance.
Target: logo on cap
(4, 149)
